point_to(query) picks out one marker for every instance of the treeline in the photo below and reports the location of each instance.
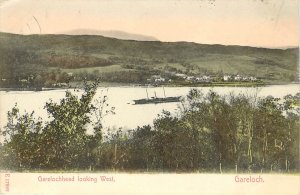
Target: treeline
(210, 133)
(35, 80)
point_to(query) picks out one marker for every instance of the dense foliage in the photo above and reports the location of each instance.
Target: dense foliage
(62, 143)
(210, 133)
(213, 133)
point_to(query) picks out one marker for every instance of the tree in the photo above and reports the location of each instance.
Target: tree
(65, 137)
(21, 145)
(62, 143)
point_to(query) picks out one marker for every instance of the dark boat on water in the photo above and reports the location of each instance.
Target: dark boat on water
(157, 100)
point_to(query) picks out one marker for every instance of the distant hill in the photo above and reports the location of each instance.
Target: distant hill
(112, 34)
(133, 61)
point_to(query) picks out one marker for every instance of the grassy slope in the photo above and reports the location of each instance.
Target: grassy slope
(108, 55)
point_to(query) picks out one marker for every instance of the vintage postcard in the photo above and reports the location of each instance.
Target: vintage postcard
(149, 97)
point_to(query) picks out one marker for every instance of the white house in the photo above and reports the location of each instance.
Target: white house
(23, 80)
(190, 78)
(237, 78)
(181, 75)
(157, 79)
(203, 78)
(253, 78)
(70, 74)
(226, 77)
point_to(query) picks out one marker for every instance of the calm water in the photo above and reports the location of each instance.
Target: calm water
(127, 115)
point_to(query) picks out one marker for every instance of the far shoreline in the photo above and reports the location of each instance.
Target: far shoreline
(126, 85)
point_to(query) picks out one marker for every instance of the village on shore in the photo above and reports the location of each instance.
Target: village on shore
(159, 79)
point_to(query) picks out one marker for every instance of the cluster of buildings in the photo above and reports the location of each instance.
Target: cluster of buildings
(238, 78)
(202, 78)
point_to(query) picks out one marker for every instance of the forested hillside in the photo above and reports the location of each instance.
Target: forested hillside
(49, 59)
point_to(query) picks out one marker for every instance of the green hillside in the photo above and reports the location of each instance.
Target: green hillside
(46, 59)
